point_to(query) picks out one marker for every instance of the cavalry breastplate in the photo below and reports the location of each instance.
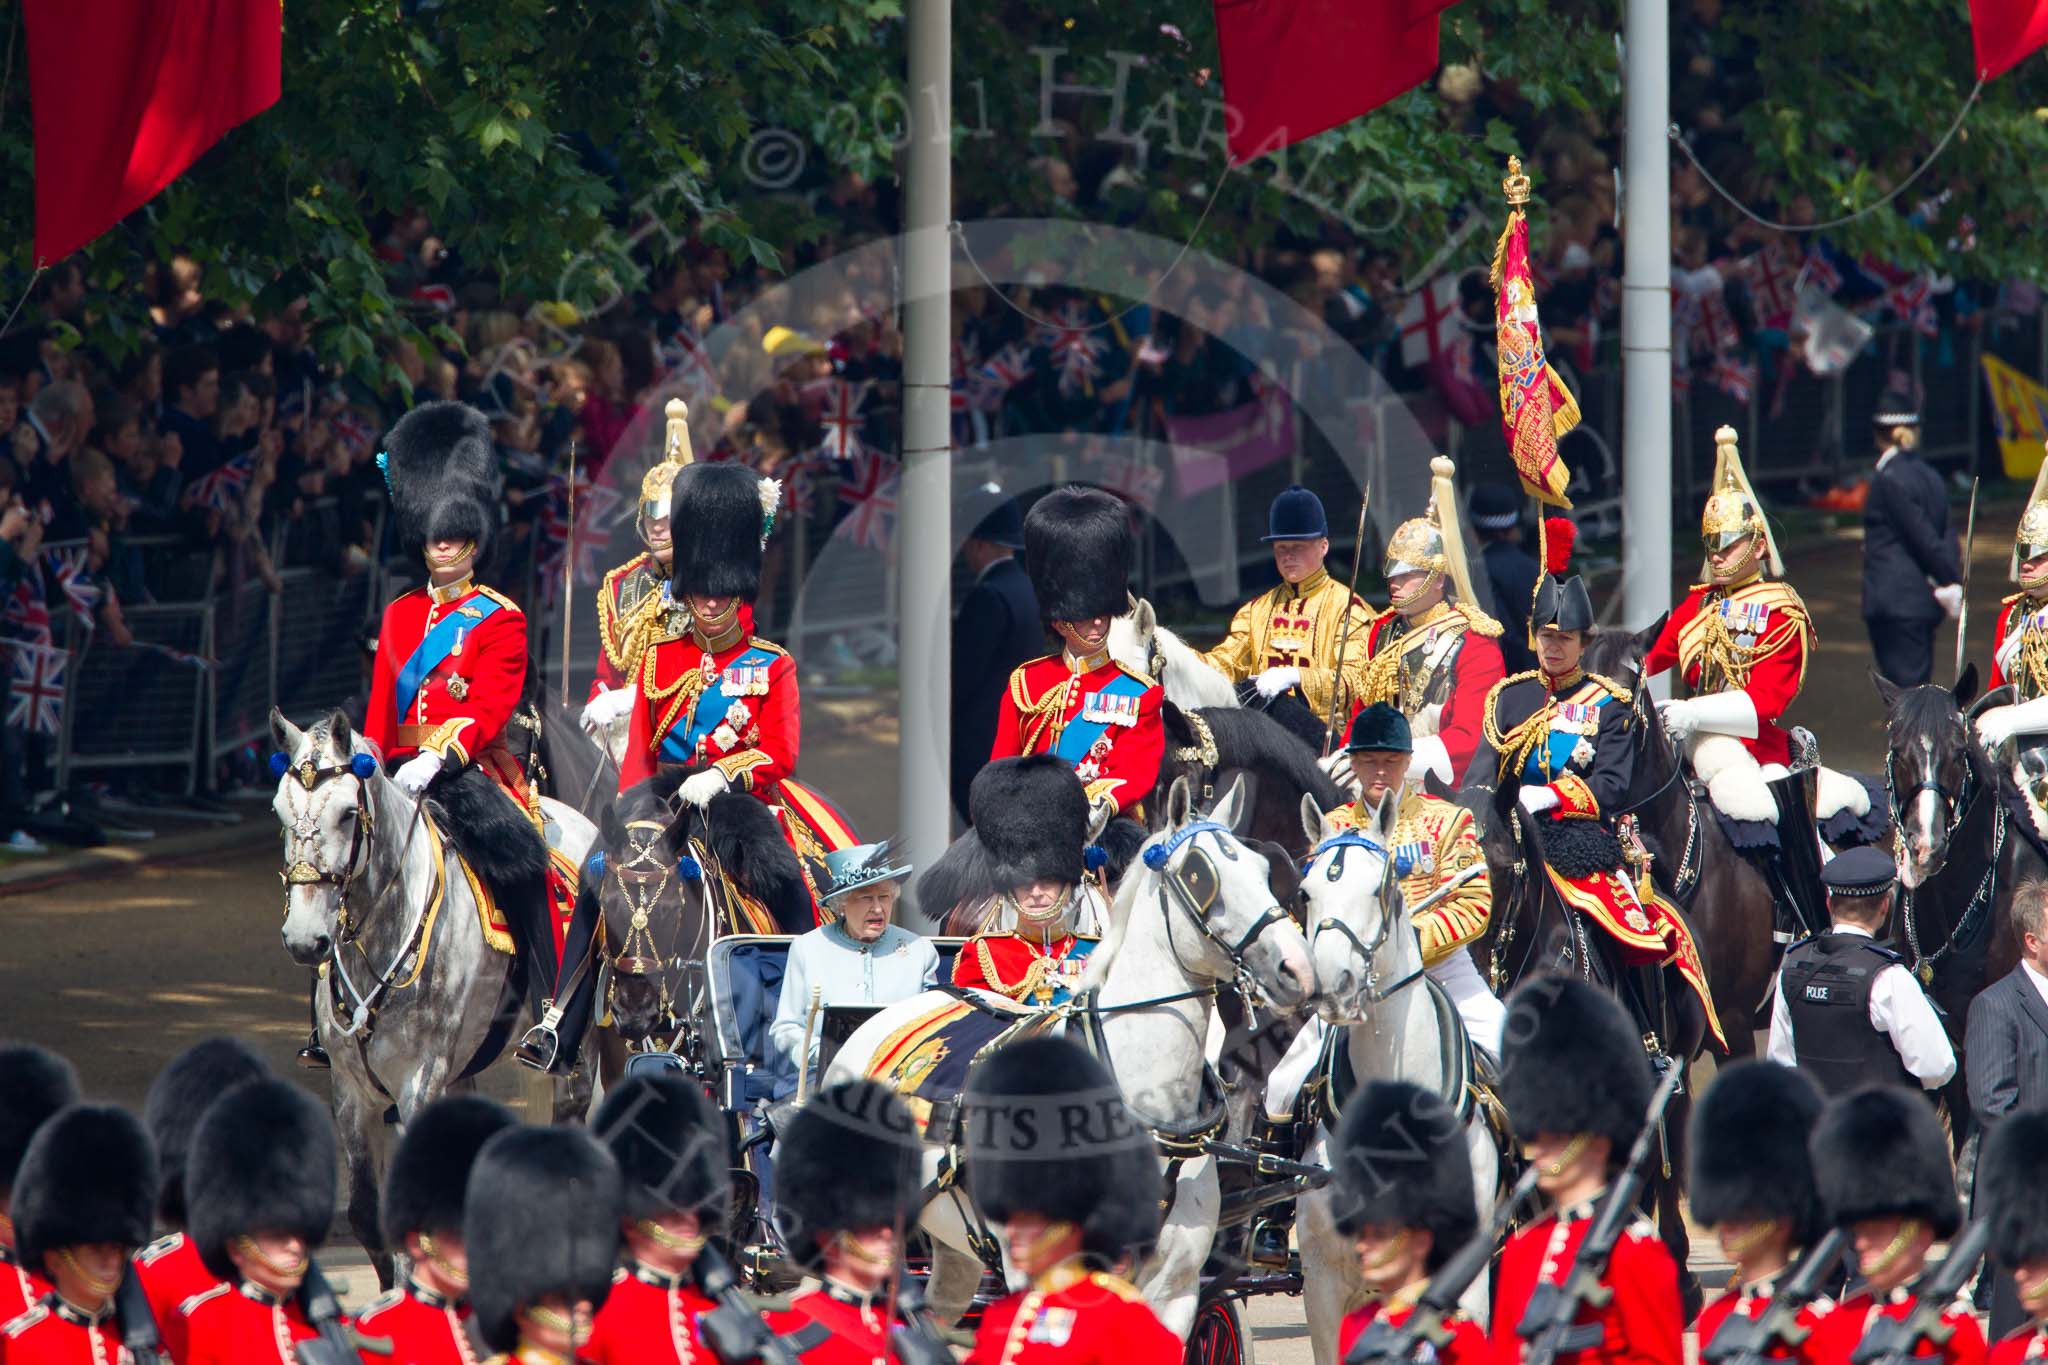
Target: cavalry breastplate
(2029, 671)
(1827, 982)
(1416, 666)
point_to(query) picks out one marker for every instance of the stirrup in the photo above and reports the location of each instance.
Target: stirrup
(1268, 1244)
(539, 1048)
(313, 1057)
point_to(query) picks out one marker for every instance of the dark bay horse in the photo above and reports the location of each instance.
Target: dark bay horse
(1213, 745)
(1964, 849)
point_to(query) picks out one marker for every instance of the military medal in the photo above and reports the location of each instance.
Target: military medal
(458, 687)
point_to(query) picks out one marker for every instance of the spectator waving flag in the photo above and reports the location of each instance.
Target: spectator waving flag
(842, 420)
(596, 510)
(67, 568)
(1770, 278)
(870, 494)
(220, 489)
(1076, 348)
(997, 375)
(1734, 377)
(1911, 301)
(1429, 321)
(35, 692)
(1535, 407)
(26, 614)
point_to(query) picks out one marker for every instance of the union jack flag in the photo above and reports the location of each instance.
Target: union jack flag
(35, 692)
(997, 375)
(353, 430)
(1770, 279)
(871, 494)
(1733, 377)
(81, 594)
(685, 362)
(27, 612)
(1076, 348)
(596, 509)
(218, 490)
(1912, 302)
(841, 417)
(1820, 272)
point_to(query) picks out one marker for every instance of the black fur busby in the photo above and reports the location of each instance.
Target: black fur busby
(718, 512)
(1573, 1063)
(444, 477)
(670, 1145)
(849, 1159)
(1031, 815)
(1077, 549)
(1880, 1153)
(262, 1160)
(89, 1176)
(1748, 1149)
(1048, 1132)
(423, 1188)
(540, 1218)
(2010, 1187)
(1401, 1160)
(177, 1097)
(34, 1084)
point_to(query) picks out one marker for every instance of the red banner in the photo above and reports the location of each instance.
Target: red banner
(128, 93)
(2004, 31)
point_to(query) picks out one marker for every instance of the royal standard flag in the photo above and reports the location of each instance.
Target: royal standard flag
(1535, 407)
(2020, 407)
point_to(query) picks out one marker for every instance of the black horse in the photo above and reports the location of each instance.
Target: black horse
(1212, 745)
(1965, 845)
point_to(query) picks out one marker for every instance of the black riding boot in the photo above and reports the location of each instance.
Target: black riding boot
(554, 1044)
(312, 1056)
(1272, 1229)
(1798, 857)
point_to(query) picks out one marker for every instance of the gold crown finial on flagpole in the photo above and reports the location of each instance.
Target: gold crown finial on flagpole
(1516, 185)
(676, 449)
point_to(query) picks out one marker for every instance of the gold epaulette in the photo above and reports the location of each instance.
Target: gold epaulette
(1614, 689)
(2008, 601)
(1772, 592)
(756, 642)
(1477, 621)
(498, 597)
(1133, 673)
(1121, 1288)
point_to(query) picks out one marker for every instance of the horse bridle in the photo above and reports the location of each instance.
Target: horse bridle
(1191, 882)
(643, 877)
(1370, 990)
(1954, 807)
(302, 870)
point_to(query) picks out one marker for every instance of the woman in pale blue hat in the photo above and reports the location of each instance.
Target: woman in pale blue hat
(859, 955)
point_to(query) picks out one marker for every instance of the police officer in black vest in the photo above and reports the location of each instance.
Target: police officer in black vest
(997, 628)
(1847, 1011)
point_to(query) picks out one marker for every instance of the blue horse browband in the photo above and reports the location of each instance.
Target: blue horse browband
(1156, 856)
(1350, 838)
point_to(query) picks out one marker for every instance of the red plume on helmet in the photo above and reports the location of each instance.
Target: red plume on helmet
(1559, 535)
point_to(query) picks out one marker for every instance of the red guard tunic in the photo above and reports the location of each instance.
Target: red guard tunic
(836, 1326)
(1753, 637)
(1117, 739)
(1436, 670)
(424, 1328)
(54, 1333)
(1077, 1318)
(1468, 1344)
(627, 592)
(242, 1325)
(1024, 970)
(2024, 666)
(1750, 1300)
(650, 1318)
(1641, 1325)
(2021, 1346)
(171, 1272)
(1839, 1331)
(20, 1287)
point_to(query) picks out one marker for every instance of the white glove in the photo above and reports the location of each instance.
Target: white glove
(607, 707)
(1431, 756)
(1537, 800)
(1338, 768)
(1950, 595)
(699, 788)
(1723, 713)
(416, 772)
(1679, 717)
(1274, 681)
(2001, 723)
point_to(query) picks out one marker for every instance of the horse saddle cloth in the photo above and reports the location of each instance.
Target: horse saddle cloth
(925, 1061)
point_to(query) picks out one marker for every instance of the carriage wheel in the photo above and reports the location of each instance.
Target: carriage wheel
(1219, 1336)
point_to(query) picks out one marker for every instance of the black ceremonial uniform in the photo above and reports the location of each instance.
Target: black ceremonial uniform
(996, 630)
(1908, 549)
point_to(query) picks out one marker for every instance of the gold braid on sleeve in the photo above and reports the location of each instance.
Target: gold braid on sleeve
(1037, 715)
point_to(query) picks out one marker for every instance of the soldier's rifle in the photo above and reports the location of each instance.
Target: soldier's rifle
(1749, 1341)
(338, 1342)
(735, 1331)
(1384, 1344)
(1895, 1341)
(1344, 634)
(1550, 1325)
(140, 1337)
(1963, 610)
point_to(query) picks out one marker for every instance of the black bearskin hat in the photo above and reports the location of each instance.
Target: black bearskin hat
(670, 1145)
(1748, 1144)
(262, 1160)
(1401, 1160)
(1573, 1063)
(89, 1176)
(1031, 815)
(177, 1097)
(849, 1159)
(540, 1217)
(1048, 1132)
(1077, 549)
(2010, 1187)
(423, 1189)
(1880, 1153)
(34, 1084)
(444, 478)
(719, 513)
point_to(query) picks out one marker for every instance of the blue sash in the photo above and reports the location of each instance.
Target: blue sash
(1079, 737)
(1557, 746)
(1071, 964)
(439, 643)
(712, 704)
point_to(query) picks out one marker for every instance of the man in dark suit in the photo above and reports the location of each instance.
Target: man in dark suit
(2006, 1047)
(1497, 521)
(997, 628)
(1912, 570)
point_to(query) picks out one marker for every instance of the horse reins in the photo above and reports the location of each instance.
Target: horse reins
(639, 955)
(1955, 810)
(1370, 991)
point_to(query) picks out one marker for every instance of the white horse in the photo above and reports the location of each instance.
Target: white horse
(1197, 921)
(1369, 966)
(382, 908)
(1139, 642)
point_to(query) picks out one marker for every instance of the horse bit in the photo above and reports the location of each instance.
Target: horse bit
(301, 870)
(645, 877)
(1192, 883)
(1371, 992)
